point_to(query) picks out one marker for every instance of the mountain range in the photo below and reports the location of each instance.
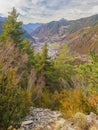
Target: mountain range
(2, 19)
(56, 31)
(30, 27)
(81, 35)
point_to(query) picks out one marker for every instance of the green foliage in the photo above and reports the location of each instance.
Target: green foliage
(12, 29)
(25, 46)
(44, 63)
(89, 76)
(14, 101)
(45, 68)
(47, 99)
(88, 79)
(66, 69)
(50, 84)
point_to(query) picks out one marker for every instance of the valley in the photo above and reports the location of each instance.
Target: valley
(80, 35)
(48, 74)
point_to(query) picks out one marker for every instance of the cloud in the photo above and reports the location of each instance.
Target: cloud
(47, 10)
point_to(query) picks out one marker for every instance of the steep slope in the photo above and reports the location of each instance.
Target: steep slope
(56, 31)
(28, 36)
(51, 32)
(31, 27)
(82, 23)
(84, 41)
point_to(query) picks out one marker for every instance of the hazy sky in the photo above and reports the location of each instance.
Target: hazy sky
(48, 10)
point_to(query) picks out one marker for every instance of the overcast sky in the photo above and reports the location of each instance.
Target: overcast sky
(32, 11)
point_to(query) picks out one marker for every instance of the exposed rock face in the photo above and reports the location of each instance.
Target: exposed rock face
(45, 119)
(92, 120)
(42, 119)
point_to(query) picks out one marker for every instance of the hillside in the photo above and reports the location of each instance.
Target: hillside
(50, 32)
(56, 31)
(84, 41)
(35, 82)
(83, 23)
(31, 27)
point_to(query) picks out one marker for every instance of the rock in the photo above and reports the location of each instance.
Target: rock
(42, 119)
(27, 122)
(45, 119)
(92, 120)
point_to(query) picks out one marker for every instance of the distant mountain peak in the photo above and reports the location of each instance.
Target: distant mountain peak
(31, 26)
(2, 18)
(56, 31)
(63, 19)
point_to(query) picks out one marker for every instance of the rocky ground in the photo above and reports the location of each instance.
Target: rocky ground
(45, 119)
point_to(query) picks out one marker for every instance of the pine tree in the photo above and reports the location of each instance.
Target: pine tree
(45, 68)
(64, 65)
(25, 46)
(12, 29)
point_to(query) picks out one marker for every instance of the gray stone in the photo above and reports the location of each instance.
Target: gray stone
(27, 122)
(45, 119)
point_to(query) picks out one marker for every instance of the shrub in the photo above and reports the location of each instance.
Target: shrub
(80, 120)
(14, 101)
(75, 101)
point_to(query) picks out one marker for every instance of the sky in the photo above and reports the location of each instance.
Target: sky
(43, 11)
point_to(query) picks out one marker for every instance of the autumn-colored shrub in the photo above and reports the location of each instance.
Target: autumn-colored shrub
(75, 101)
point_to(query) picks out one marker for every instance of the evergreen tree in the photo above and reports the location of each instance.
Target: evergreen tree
(88, 74)
(45, 68)
(64, 65)
(25, 46)
(12, 29)
(44, 63)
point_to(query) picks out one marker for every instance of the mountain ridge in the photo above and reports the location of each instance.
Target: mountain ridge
(81, 35)
(30, 27)
(56, 31)
(64, 31)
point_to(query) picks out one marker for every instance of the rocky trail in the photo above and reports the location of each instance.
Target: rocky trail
(45, 119)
